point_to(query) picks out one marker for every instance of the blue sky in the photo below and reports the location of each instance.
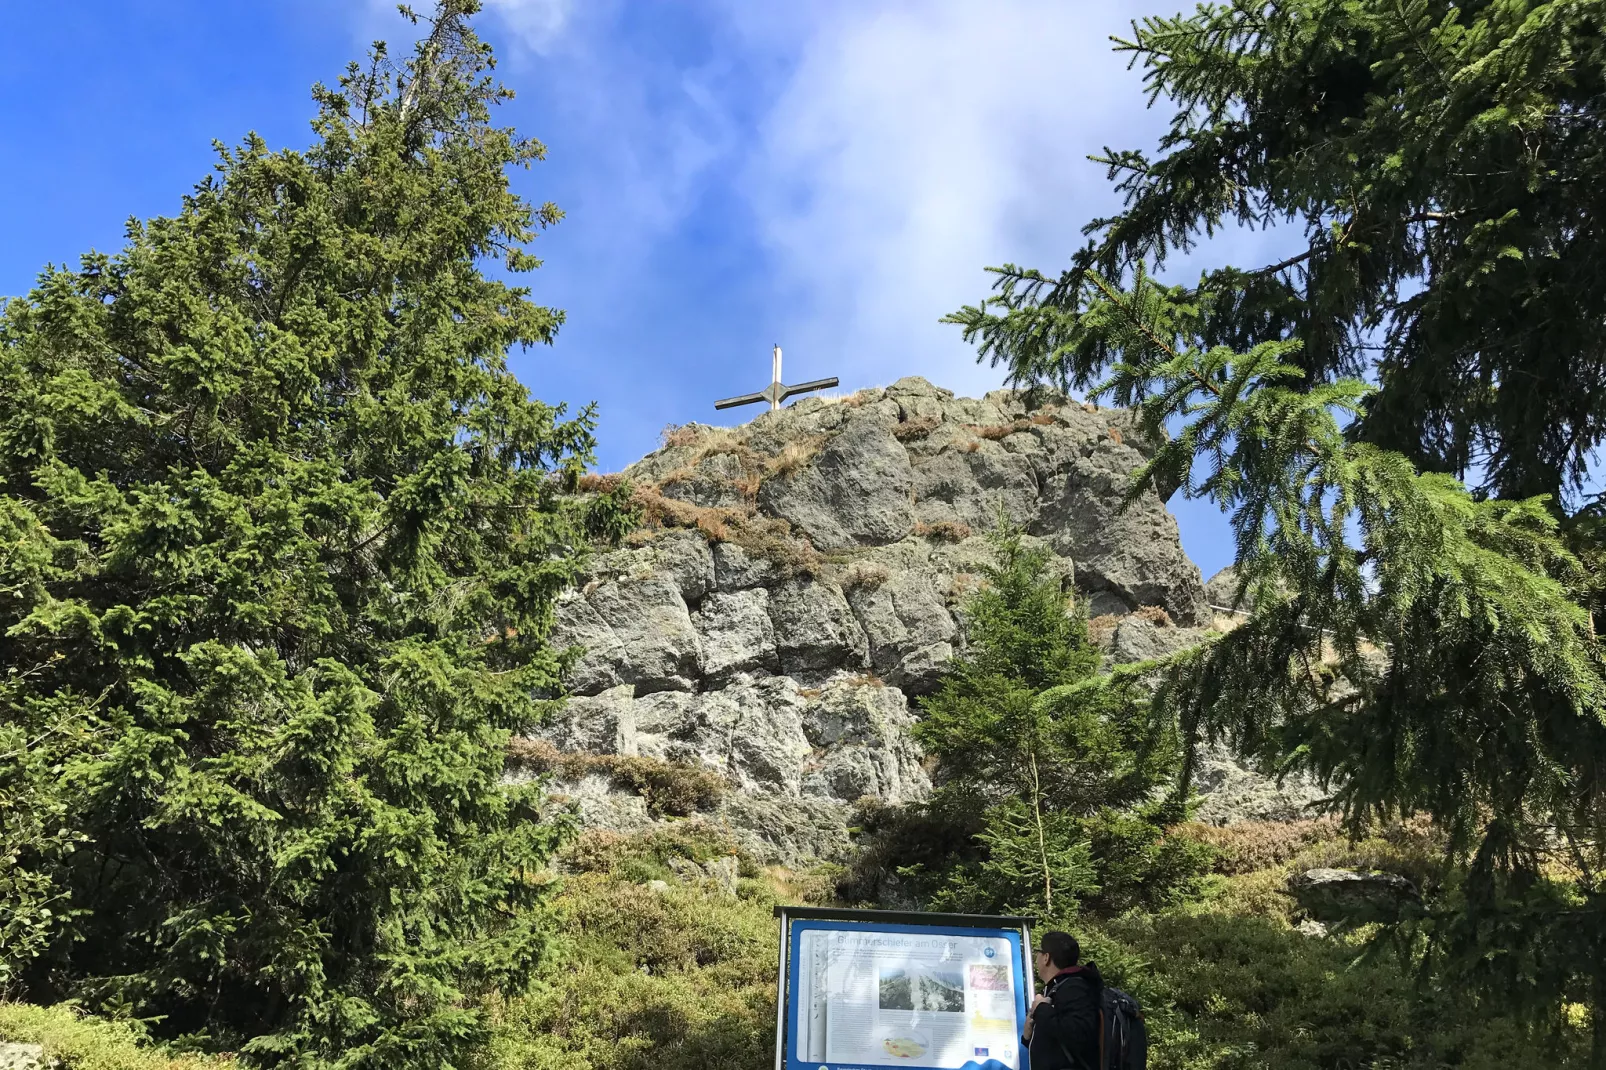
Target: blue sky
(830, 176)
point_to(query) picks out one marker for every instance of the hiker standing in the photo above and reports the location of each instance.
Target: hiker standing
(1062, 1026)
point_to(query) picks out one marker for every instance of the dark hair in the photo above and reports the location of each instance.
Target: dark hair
(1061, 948)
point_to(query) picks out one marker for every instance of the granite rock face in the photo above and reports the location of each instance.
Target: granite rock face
(781, 641)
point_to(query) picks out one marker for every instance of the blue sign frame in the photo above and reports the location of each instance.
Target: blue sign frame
(793, 943)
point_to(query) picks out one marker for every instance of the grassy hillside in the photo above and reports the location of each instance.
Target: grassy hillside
(683, 976)
(680, 974)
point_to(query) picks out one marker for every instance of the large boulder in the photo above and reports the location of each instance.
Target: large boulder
(1127, 555)
(815, 628)
(21, 1056)
(1353, 896)
(736, 633)
(635, 630)
(855, 492)
(909, 629)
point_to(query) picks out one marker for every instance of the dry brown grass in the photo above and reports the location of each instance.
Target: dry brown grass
(947, 530)
(675, 789)
(1255, 845)
(1155, 615)
(866, 574)
(1115, 435)
(717, 440)
(772, 539)
(1104, 622)
(657, 509)
(994, 432)
(746, 485)
(683, 474)
(679, 435)
(857, 399)
(866, 679)
(920, 427)
(598, 483)
(793, 456)
(817, 887)
(962, 586)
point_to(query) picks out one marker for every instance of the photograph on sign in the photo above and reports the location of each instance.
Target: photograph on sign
(944, 999)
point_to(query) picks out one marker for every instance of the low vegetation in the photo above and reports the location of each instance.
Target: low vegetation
(671, 789)
(643, 976)
(943, 530)
(71, 1041)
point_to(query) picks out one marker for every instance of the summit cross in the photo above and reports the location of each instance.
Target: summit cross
(777, 391)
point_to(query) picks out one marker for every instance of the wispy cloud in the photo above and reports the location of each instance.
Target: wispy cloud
(915, 144)
(832, 175)
(536, 23)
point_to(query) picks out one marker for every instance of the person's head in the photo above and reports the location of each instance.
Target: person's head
(1054, 952)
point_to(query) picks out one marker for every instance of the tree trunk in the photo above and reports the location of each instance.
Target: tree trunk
(1042, 843)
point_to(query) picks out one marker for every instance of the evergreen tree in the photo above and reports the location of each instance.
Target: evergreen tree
(279, 541)
(1047, 774)
(1443, 321)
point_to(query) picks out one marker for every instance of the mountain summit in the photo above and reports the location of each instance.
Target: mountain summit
(799, 580)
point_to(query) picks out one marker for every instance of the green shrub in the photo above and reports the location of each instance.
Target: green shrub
(684, 977)
(1241, 992)
(75, 1042)
(647, 979)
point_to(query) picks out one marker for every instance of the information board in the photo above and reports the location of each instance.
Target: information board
(863, 992)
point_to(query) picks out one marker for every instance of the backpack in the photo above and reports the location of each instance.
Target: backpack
(1123, 1035)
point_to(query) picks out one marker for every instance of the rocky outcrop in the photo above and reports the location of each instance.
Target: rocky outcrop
(801, 580)
(1352, 896)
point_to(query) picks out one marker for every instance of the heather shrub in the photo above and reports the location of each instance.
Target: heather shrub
(919, 427)
(644, 978)
(1222, 991)
(1253, 845)
(675, 789)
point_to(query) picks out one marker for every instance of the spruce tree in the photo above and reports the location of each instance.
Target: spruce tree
(1047, 772)
(1423, 646)
(279, 540)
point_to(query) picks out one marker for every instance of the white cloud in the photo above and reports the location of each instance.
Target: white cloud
(536, 23)
(916, 144)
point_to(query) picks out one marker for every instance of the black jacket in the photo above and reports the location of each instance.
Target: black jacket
(1065, 1035)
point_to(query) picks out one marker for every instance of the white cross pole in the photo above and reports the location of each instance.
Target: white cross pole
(777, 391)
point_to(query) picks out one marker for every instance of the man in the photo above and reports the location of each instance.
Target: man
(1062, 1025)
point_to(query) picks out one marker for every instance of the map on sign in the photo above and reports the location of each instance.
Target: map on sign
(944, 999)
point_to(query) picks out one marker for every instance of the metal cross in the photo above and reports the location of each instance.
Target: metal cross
(776, 392)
